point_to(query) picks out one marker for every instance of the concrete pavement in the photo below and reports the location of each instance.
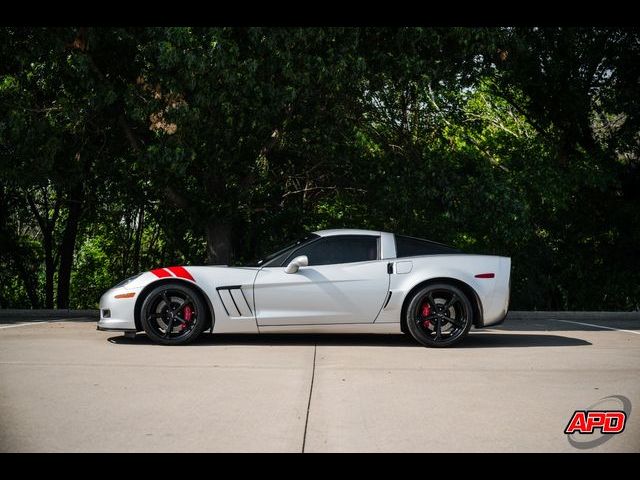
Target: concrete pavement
(66, 387)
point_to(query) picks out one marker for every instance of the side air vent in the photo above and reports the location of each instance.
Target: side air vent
(234, 301)
(386, 302)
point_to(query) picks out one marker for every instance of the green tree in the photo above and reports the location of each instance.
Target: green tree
(124, 149)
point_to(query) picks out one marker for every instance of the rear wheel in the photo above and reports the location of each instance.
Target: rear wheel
(173, 314)
(439, 315)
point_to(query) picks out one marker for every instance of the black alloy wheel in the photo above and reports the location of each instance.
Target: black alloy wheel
(439, 315)
(173, 314)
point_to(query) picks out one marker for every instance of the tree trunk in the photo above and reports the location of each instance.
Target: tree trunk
(67, 249)
(29, 278)
(47, 227)
(218, 242)
(138, 240)
(49, 268)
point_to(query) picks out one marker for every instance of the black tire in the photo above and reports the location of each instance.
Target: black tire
(181, 323)
(439, 315)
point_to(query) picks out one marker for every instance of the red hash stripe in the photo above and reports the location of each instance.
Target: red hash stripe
(181, 272)
(160, 273)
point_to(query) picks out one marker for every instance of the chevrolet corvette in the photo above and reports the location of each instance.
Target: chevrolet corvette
(328, 281)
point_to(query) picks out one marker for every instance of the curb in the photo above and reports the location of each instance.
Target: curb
(40, 314)
(573, 315)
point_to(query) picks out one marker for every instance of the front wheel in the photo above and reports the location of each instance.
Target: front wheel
(439, 315)
(173, 314)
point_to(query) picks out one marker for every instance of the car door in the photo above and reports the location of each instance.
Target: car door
(345, 282)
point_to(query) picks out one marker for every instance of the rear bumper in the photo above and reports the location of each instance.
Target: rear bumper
(495, 322)
(499, 303)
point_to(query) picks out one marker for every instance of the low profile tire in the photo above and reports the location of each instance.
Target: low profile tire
(439, 315)
(173, 314)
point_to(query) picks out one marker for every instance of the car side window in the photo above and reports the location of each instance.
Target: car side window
(340, 249)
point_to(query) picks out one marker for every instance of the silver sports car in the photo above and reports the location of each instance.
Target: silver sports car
(328, 281)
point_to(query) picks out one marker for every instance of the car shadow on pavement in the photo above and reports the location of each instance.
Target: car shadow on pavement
(488, 340)
(474, 340)
(564, 325)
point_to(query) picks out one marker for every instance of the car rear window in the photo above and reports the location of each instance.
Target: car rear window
(413, 247)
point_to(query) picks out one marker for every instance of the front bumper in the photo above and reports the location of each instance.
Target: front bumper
(115, 329)
(118, 313)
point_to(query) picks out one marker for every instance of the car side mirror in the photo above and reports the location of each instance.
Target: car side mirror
(296, 263)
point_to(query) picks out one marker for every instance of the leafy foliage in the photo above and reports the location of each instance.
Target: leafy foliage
(124, 149)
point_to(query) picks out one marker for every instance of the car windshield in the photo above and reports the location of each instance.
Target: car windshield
(276, 259)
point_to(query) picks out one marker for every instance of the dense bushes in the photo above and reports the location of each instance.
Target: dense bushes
(126, 149)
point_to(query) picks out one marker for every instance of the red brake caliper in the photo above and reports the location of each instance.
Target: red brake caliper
(426, 311)
(186, 314)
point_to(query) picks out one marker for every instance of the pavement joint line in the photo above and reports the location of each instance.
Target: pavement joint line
(25, 324)
(597, 326)
(313, 374)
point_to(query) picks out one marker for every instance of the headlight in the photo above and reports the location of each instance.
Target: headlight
(128, 280)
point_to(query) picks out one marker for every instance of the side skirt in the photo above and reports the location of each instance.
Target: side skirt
(382, 328)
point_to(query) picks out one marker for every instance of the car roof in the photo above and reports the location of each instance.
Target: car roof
(346, 231)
